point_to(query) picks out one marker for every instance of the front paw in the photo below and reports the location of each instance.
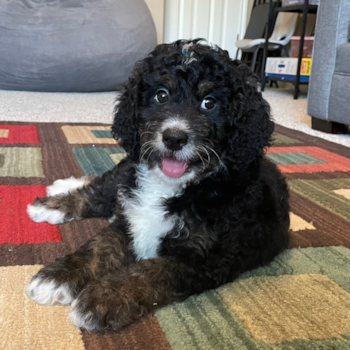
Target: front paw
(40, 213)
(46, 290)
(64, 186)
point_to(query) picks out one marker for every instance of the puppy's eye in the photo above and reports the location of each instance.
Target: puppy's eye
(161, 96)
(208, 103)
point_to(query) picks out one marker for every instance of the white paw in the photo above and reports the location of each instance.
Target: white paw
(39, 213)
(79, 319)
(64, 186)
(49, 292)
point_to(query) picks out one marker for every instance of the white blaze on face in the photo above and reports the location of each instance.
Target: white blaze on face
(175, 123)
(186, 152)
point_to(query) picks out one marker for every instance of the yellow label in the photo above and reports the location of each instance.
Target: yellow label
(305, 68)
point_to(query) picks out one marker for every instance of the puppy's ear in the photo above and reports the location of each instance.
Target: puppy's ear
(251, 126)
(125, 126)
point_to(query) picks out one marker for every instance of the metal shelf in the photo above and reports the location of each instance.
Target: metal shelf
(291, 81)
(305, 9)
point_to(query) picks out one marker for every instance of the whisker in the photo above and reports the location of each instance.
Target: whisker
(220, 162)
(203, 148)
(201, 159)
(146, 143)
(146, 132)
(212, 143)
(145, 152)
(150, 154)
(145, 148)
(210, 149)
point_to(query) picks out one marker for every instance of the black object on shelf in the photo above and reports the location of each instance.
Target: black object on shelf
(305, 9)
(297, 8)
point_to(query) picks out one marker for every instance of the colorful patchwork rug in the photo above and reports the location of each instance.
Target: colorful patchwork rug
(300, 301)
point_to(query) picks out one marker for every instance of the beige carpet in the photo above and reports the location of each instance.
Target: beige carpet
(98, 107)
(292, 113)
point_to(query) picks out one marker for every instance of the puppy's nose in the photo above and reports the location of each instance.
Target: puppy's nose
(174, 139)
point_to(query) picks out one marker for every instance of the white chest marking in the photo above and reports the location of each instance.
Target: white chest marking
(146, 214)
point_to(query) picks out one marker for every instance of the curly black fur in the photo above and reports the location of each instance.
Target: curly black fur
(232, 211)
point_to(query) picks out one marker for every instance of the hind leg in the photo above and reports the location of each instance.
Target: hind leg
(61, 281)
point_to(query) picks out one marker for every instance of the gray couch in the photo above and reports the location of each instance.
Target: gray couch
(329, 88)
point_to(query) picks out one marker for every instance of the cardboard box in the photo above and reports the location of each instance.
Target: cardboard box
(287, 66)
(308, 46)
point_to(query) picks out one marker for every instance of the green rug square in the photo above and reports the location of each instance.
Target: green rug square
(21, 162)
(279, 138)
(294, 158)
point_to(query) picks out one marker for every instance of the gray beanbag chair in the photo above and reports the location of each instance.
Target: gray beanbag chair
(72, 45)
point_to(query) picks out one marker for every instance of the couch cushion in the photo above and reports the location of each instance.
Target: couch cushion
(342, 64)
(331, 32)
(339, 106)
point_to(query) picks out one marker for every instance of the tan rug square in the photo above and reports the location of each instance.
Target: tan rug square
(299, 224)
(286, 307)
(27, 325)
(345, 192)
(4, 133)
(117, 157)
(83, 135)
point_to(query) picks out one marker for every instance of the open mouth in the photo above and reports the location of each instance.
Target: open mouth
(173, 167)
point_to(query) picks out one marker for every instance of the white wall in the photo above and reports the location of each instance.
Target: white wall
(157, 8)
(221, 22)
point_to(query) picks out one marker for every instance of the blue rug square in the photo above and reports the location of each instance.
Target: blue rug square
(102, 134)
(95, 161)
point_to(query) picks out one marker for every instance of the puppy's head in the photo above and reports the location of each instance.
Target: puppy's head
(188, 110)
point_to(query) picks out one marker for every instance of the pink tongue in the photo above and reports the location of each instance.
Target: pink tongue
(173, 167)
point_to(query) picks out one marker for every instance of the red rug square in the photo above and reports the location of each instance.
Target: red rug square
(15, 225)
(18, 134)
(333, 161)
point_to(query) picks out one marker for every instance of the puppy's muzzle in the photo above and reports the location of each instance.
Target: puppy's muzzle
(174, 139)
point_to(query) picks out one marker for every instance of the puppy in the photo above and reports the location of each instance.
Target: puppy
(193, 205)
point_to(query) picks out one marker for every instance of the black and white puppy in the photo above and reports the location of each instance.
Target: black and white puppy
(194, 204)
